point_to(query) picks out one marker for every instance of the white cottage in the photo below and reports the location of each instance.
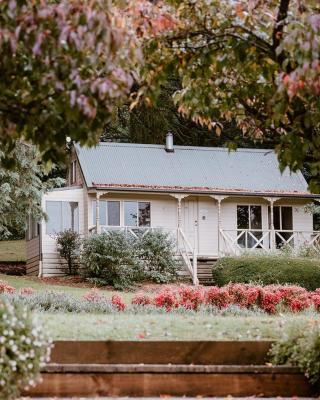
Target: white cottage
(212, 201)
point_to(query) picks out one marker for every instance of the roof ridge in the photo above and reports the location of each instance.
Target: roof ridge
(183, 147)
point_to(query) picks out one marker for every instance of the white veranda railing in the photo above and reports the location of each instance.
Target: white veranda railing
(237, 241)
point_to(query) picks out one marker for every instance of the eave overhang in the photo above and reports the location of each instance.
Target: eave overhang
(200, 190)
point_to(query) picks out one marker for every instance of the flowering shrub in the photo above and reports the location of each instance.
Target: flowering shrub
(166, 299)
(141, 299)
(5, 288)
(117, 302)
(218, 297)
(245, 296)
(23, 349)
(93, 295)
(26, 291)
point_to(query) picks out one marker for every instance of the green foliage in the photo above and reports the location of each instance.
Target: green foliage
(120, 260)
(21, 188)
(300, 347)
(23, 349)
(268, 270)
(51, 301)
(68, 246)
(255, 63)
(63, 66)
(110, 259)
(156, 251)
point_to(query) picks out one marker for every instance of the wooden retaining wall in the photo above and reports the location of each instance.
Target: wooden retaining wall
(138, 369)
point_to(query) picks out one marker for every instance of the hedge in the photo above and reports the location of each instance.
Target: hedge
(268, 270)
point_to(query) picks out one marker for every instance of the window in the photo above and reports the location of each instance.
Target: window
(109, 212)
(73, 172)
(62, 215)
(249, 218)
(282, 221)
(137, 213)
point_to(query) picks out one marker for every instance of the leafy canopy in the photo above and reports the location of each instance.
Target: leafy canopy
(254, 62)
(21, 189)
(63, 65)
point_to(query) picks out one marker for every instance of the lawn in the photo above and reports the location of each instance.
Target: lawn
(14, 250)
(42, 285)
(167, 326)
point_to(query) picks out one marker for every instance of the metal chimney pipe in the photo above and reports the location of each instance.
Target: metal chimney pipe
(169, 143)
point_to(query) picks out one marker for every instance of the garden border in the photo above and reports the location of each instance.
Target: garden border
(175, 368)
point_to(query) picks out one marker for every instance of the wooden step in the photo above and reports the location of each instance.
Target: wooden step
(171, 380)
(141, 369)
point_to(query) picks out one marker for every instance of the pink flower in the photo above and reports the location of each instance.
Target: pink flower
(5, 288)
(27, 291)
(118, 302)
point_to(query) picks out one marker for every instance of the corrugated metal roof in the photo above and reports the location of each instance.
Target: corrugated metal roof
(188, 168)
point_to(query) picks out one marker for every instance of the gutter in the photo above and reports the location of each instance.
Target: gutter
(207, 192)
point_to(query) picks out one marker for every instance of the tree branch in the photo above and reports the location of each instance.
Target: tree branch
(278, 28)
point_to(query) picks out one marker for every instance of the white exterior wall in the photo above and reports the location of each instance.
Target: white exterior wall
(51, 262)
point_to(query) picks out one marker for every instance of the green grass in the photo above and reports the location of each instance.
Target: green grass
(35, 283)
(14, 250)
(167, 326)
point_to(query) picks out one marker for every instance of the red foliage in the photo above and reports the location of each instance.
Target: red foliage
(166, 299)
(27, 291)
(244, 295)
(190, 297)
(118, 302)
(218, 297)
(141, 299)
(5, 288)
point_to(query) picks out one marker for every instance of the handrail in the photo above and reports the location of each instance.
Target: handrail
(193, 268)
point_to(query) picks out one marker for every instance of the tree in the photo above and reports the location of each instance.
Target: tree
(64, 65)
(21, 189)
(254, 62)
(150, 124)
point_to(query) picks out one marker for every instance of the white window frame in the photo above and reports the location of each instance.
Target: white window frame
(280, 216)
(250, 205)
(137, 206)
(77, 223)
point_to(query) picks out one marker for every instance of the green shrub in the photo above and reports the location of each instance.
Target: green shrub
(299, 347)
(268, 270)
(23, 349)
(50, 301)
(68, 245)
(110, 259)
(156, 251)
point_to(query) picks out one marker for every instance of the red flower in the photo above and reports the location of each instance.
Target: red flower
(118, 302)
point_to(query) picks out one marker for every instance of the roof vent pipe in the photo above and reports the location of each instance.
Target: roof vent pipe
(169, 143)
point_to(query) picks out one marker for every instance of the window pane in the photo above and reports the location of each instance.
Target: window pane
(114, 213)
(54, 223)
(255, 217)
(70, 216)
(130, 213)
(286, 214)
(102, 212)
(243, 217)
(144, 214)
(276, 217)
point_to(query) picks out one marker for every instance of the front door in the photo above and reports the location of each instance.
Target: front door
(190, 221)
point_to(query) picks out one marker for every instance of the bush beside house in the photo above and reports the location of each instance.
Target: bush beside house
(120, 260)
(268, 270)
